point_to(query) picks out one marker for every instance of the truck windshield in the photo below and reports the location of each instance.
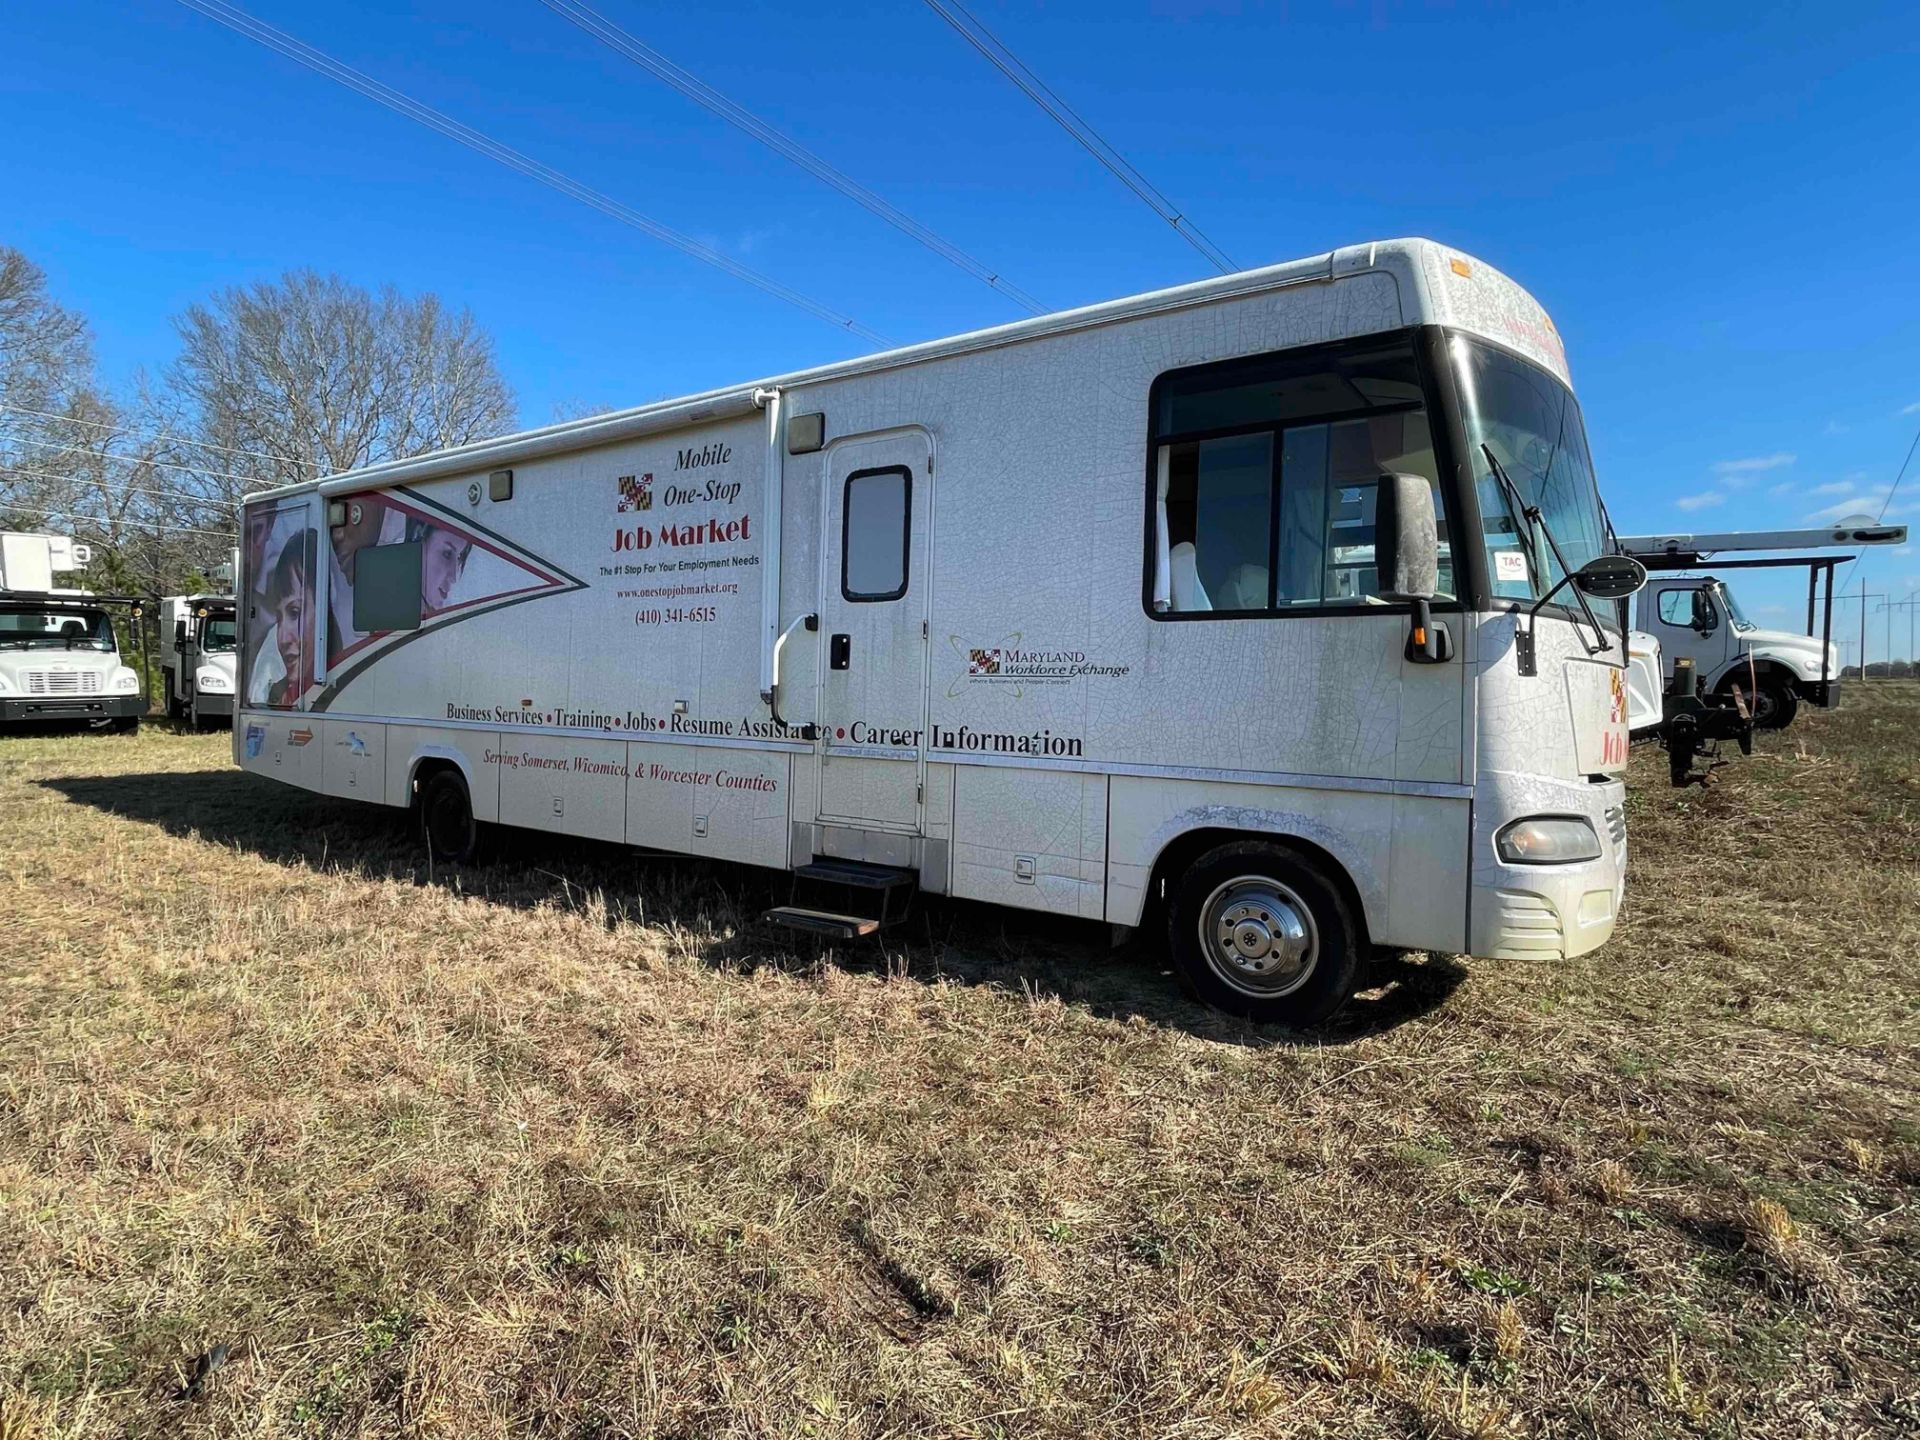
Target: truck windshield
(1740, 621)
(1532, 423)
(217, 636)
(55, 630)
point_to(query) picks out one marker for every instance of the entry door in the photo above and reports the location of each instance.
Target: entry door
(873, 630)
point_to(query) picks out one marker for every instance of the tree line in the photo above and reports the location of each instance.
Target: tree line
(274, 382)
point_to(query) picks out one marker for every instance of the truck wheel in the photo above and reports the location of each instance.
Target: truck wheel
(446, 819)
(1773, 703)
(125, 725)
(1262, 931)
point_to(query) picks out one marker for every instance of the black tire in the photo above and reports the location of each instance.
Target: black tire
(446, 819)
(1773, 704)
(1297, 942)
(125, 725)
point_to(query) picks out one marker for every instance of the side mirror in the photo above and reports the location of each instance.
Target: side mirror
(1610, 577)
(1406, 557)
(1406, 543)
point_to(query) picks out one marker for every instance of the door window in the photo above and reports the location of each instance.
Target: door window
(1688, 609)
(876, 531)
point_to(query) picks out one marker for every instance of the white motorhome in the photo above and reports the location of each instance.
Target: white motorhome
(199, 670)
(1240, 608)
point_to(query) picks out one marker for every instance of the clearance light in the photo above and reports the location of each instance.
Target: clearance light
(1548, 840)
(1462, 269)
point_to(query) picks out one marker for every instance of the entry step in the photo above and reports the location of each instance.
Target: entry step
(821, 922)
(856, 872)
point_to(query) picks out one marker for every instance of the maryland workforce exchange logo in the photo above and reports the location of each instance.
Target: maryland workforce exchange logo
(982, 662)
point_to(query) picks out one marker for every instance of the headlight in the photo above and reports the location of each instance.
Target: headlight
(6, 685)
(211, 681)
(125, 683)
(1548, 840)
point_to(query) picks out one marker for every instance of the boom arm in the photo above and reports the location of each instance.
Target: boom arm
(1848, 532)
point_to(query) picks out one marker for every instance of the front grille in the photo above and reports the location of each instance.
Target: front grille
(63, 682)
(1617, 823)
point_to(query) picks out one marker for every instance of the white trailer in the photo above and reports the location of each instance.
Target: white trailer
(199, 659)
(60, 660)
(1204, 609)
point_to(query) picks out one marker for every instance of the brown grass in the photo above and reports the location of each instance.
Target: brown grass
(563, 1147)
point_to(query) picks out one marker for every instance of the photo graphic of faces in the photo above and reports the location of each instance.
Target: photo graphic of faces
(283, 552)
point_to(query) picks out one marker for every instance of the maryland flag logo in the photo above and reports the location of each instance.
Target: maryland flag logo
(635, 494)
(983, 662)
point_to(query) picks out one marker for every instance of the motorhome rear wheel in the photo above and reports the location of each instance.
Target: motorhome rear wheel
(446, 819)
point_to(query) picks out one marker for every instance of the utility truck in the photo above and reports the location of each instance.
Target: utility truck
(1276, 611)
(60, 661)
(1698, 619)
(199, 672)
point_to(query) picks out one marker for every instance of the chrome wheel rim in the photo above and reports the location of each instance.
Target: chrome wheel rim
(1258, 936)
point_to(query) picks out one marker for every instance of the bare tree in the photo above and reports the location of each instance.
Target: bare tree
(313, 375)
(46, 378)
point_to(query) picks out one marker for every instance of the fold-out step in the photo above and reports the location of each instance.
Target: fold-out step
(856, 873)
(821, 922)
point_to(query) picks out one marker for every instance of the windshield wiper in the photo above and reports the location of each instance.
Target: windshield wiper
(1517, 512)
(1532, 515)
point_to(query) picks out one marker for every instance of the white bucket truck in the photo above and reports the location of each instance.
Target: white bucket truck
(1697, 617)
(199, 671)
(60, 662)
(1243, 609)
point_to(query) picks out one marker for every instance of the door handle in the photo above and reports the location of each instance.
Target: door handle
(840, 652)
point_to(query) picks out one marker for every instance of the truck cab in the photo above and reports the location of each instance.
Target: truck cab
(60, 663)
(197, 669)
(1698, 617)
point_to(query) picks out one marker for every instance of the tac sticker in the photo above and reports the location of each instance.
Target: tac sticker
(1509, 565)
(256, 737)
(299, 737)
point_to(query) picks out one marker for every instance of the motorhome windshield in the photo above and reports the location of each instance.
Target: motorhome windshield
(1532, 423)
(218, 635)
(1734, 612)
(55, 630)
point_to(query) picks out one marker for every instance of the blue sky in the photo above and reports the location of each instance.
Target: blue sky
(1715, 201)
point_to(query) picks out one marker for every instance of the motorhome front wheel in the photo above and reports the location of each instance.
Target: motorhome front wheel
(1264, 932)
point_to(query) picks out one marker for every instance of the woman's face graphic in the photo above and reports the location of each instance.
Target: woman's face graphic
(290, 629)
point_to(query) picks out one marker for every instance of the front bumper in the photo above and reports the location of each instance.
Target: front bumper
(37, 711)
(1546, 912)
(208, 703)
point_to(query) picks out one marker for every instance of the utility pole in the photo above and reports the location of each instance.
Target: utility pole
(1862, 596)
(1912, 606)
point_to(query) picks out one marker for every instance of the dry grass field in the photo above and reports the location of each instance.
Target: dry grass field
(298, 1139)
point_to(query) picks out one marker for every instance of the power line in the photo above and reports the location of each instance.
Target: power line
(104, 455)
(1884, 504)
(140, 489)
(163, 435)
(1036, 90)
(242, 23)
(703, 94)
(103, 520)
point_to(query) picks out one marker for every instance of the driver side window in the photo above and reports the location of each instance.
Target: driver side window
(1688, 609)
